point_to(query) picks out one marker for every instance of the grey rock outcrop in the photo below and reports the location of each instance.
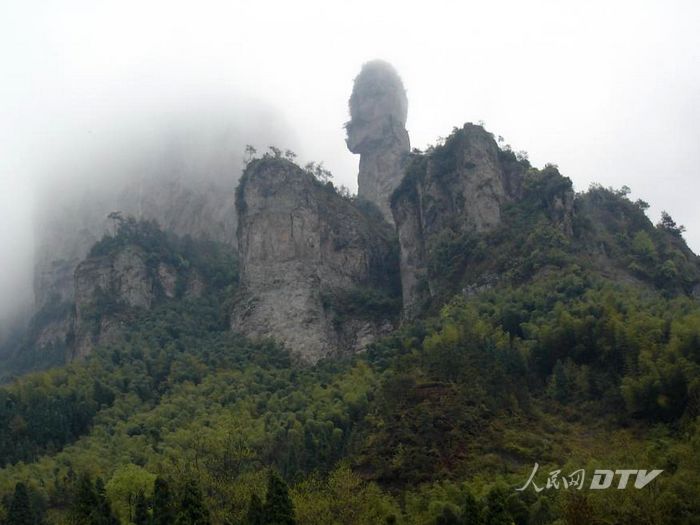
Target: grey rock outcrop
(460, 186)
(108, 286)
(122, 280)
(203, 210)
(377, 131)
(303, 249)
(178, 166)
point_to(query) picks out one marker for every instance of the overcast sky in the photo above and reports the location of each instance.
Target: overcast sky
(608, 90)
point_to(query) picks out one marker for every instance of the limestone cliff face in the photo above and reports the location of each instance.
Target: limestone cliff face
(302, 247)
(377, 131)
(460, 186)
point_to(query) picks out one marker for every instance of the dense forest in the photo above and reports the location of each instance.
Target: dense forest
(584, 354)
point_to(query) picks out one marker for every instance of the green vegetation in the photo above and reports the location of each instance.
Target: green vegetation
(362, 303)
(19, 354)
(584, 353)
(214, 263)
(436, 423)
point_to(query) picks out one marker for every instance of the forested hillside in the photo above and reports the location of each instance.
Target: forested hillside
(570, 350)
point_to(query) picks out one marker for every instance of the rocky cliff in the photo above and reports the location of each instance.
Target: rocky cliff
(126, 273)
(201, 209)
(458, 187)
(317, 272)
(133, 271)
(106, 285)
(377, 131)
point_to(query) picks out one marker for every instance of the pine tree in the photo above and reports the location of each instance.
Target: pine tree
(560, 385)
(279, 509)
(496, 512)
(102, 514)
(163, 511)
(471, 513)
(448, 517)
(141, 510)
(192, 509)
(84, 501)
(90, 505)
(256, 513)
(20, 511)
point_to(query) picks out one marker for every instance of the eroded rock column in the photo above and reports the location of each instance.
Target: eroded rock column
(377, 132)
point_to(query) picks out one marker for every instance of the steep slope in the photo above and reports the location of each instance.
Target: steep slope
(124, 274)
(469, 215)
(311, 261)
(554, 328)
(570, 371)
(456, 189)
(201, 209)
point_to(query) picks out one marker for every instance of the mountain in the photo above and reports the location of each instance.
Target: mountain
(336, 365)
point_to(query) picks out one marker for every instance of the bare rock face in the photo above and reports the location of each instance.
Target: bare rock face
(122, 280)
(109, 286)
(460, 186)
(377, 131)
(307, 256)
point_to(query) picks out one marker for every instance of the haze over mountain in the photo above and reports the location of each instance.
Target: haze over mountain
(290, 353)
(201, 324)
(609, 104)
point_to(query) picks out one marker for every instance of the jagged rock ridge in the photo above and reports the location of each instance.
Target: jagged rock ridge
(319, 272)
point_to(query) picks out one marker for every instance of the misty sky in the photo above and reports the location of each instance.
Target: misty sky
(608, 90)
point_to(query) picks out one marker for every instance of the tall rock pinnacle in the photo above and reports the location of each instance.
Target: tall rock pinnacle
(377, 131)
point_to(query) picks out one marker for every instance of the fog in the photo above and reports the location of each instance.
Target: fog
(93, 93)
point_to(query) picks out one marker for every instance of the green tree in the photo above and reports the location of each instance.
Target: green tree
(163, 511)
(643, 246)
(256, 513)
(517, 509)
(90, 505)
(447, 517)
(496, 512)
(668, 224)
(192, 509)
(141, 510)
(250, 153)
(20, 511)
(471, 512)
(84, 501)
(123, 488)
(279, 509)
(103, 514)
(559, 383)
